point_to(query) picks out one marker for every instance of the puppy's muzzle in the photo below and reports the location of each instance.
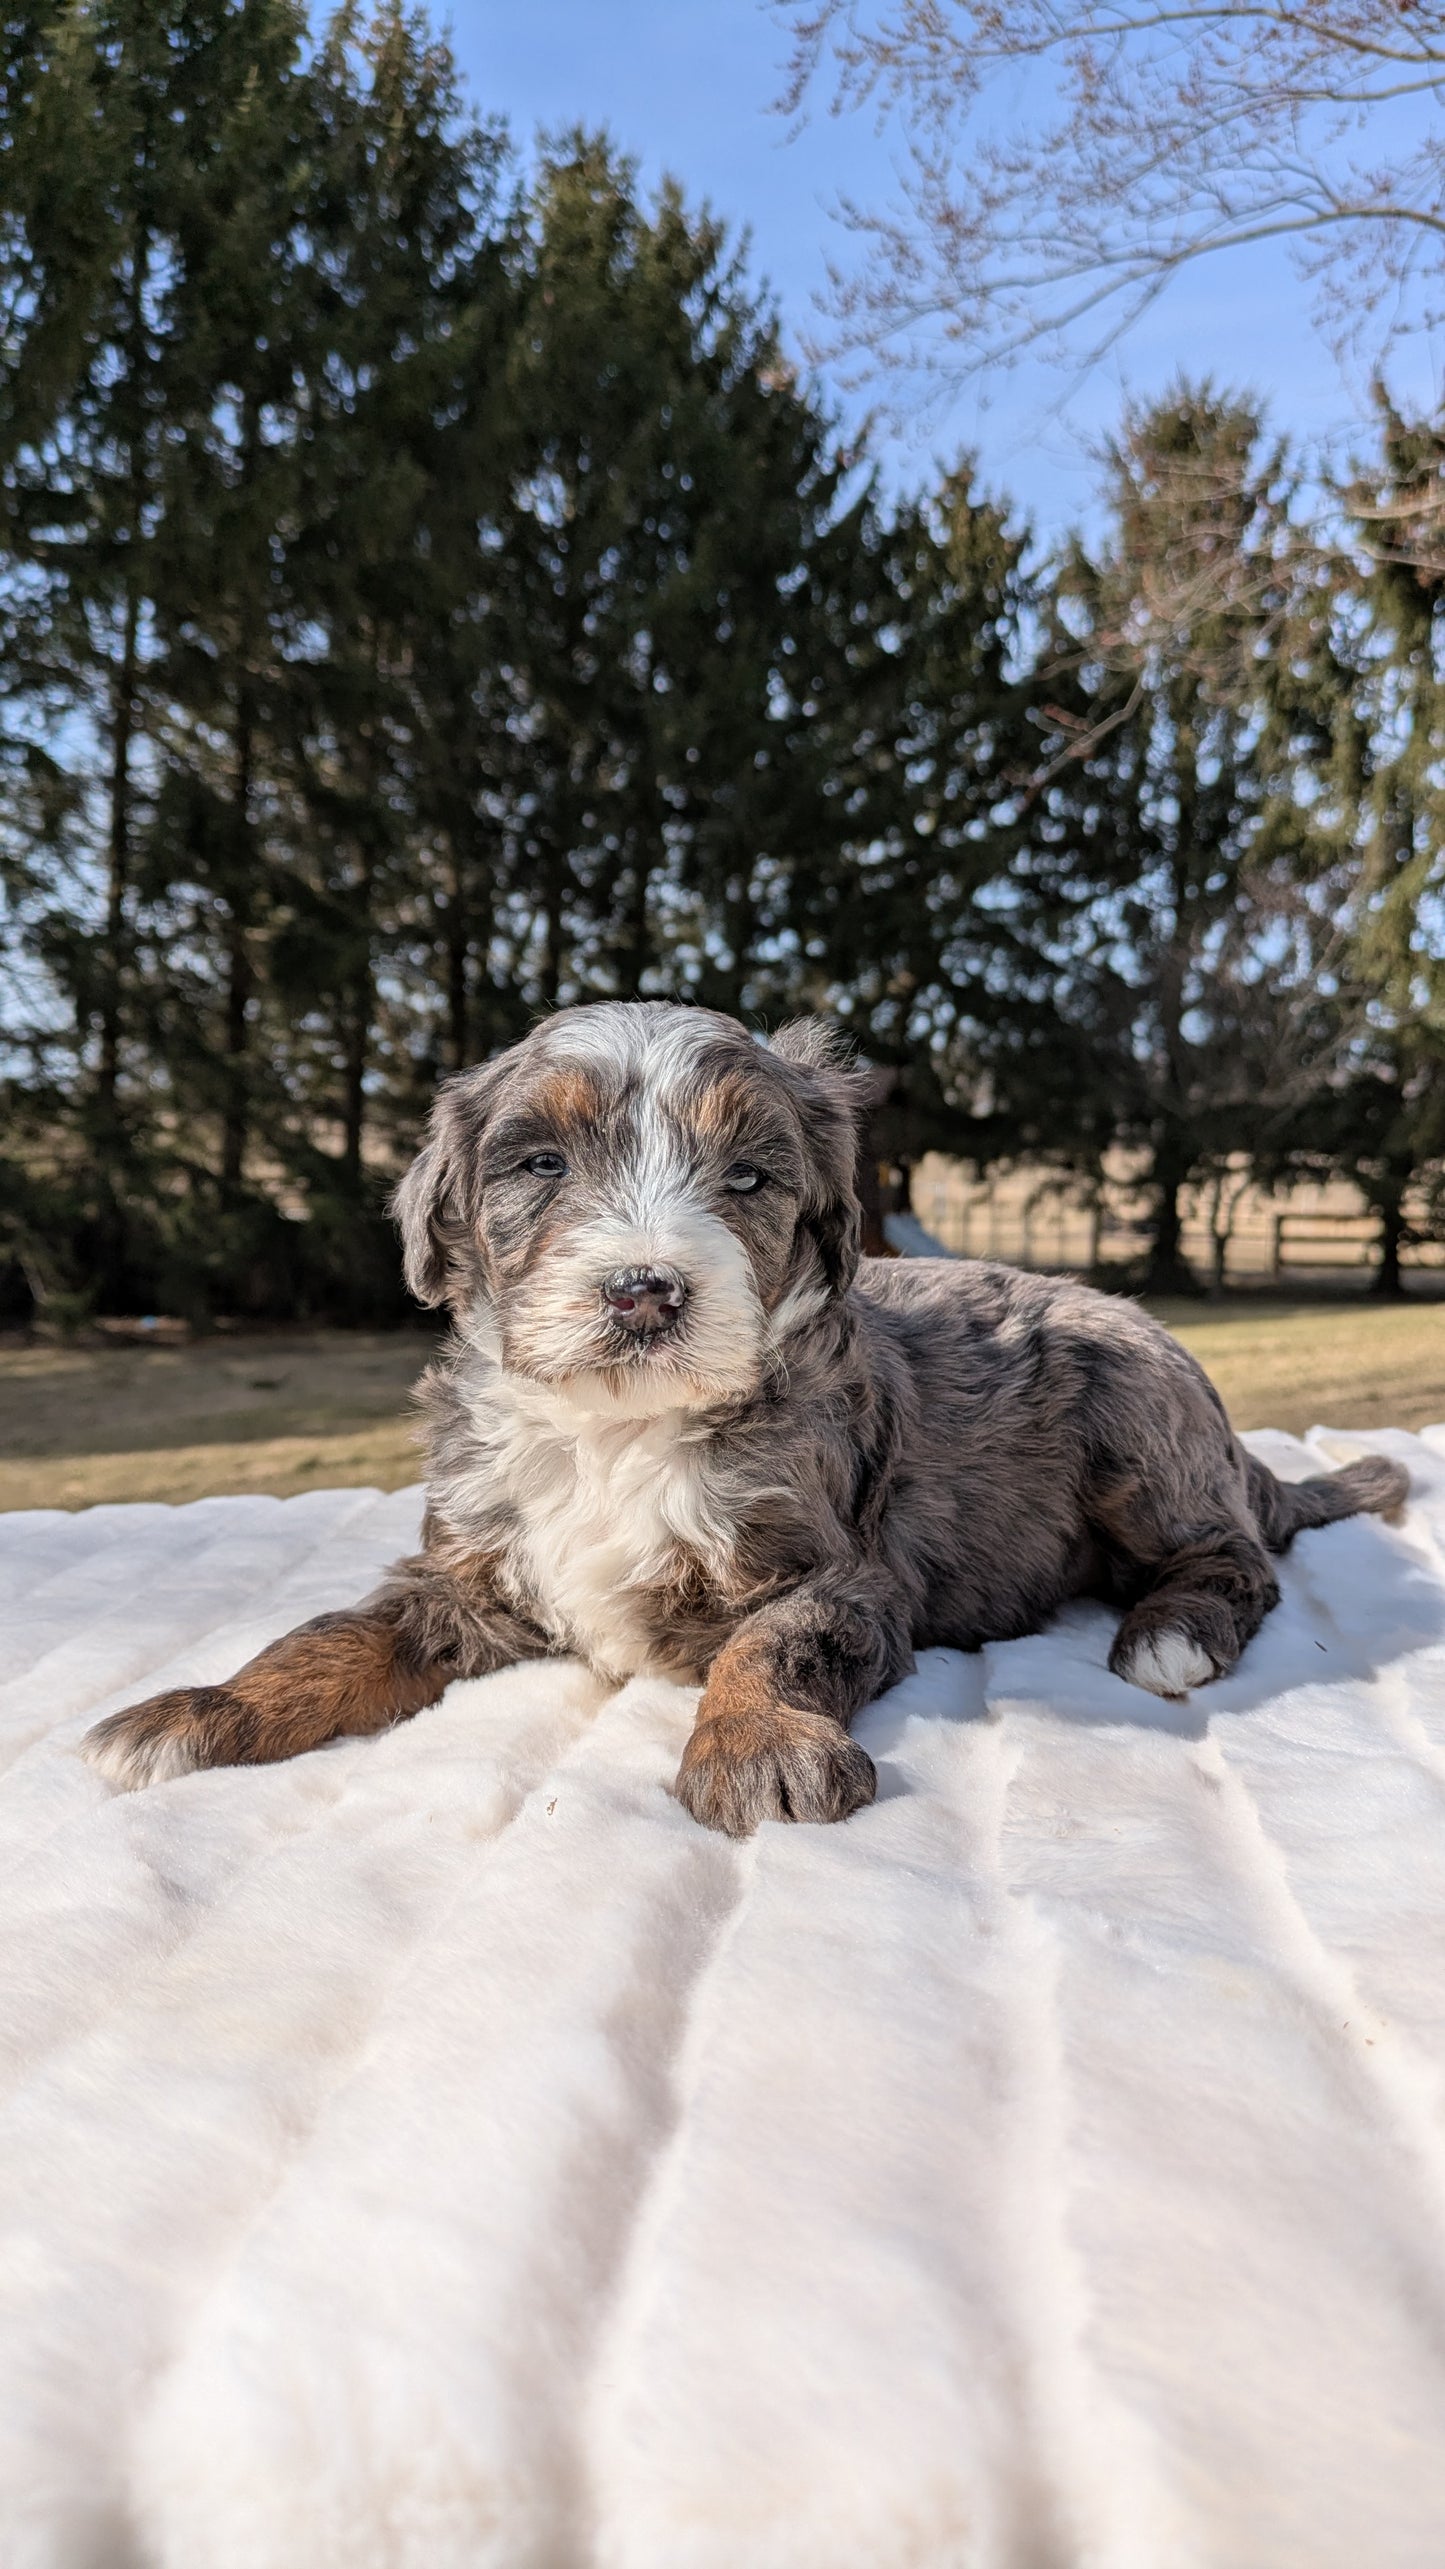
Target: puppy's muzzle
(645, 1301)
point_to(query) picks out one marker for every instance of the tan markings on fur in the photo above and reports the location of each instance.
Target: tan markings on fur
(752, 1757)
(569, 1096)
(718, 1110)
(741, 1716)
(741, 1687)
(343, 1674)
(473, 1566)
(168, 1735)
(1112, 1508)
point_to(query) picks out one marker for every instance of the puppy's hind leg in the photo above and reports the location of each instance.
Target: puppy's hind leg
(1204, 1601)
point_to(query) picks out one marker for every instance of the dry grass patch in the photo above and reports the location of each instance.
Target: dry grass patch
(283, 1411)
(276, 1412)
(1301, 1365)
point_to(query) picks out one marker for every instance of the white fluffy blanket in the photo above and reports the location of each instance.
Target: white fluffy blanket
(439, 2154)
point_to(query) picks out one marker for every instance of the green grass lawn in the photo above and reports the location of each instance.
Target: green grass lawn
(282, 1411)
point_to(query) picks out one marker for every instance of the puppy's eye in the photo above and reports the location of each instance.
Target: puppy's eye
(545, 1164)
(742, 1178)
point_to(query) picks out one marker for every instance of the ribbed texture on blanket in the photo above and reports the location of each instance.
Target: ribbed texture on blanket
(439, 2154)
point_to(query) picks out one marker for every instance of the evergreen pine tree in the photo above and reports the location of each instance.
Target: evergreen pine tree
(1387, 1112)
(115, 118)
(397, 222)
(1182, 681)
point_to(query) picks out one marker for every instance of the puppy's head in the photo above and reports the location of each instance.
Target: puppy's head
(639, 1203)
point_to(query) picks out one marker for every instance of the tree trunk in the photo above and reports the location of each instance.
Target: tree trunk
(1166, 1270)
(1389, 1282)
(1221, 1225)
(880, 1083)
(552, 913)
(739, 932)
(118, 869)
(360, 1005)
(236, 1119)
(123, 718)
(639, 943)
(240, 977)
(353, 1094)
(649, 854)
(455, 942)
(471, 916)
(357, 1055)
(360, 981)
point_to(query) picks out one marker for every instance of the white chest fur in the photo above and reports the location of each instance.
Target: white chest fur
(600, 1508)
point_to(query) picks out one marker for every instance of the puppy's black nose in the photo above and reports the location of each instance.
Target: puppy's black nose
(645, 1300)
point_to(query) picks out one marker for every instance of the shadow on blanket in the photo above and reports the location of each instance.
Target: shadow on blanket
(1354, 1598)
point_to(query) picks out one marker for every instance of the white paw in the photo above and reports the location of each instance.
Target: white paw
(1167, 1663)
(130, 1759)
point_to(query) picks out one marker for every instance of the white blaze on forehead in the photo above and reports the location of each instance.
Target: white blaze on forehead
(655, 1182)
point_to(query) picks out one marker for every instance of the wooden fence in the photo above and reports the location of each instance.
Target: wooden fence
(1031, 1217)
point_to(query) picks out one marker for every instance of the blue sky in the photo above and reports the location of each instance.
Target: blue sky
(687, 86)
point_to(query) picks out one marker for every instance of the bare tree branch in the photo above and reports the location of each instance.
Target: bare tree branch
(1130, 142)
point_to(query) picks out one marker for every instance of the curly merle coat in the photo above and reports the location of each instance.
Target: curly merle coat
(679, 1426)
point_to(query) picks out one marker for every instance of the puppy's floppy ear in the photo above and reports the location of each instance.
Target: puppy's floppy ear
(831, 1096)
(438, 1202)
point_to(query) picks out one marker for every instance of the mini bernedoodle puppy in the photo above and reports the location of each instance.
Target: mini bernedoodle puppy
(679, 1427)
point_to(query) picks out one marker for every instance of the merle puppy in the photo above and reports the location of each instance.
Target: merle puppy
(679, 1427)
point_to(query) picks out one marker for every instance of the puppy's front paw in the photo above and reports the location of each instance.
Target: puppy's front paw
(165, 1736)
(740, 1768)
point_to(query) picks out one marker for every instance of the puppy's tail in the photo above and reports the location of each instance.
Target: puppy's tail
(1373, 1486)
